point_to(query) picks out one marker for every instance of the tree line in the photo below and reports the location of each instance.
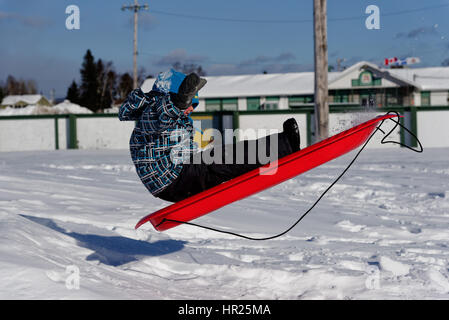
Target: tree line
(14, 86)
(101, 87)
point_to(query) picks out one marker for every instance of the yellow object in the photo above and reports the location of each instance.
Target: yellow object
(201, 140)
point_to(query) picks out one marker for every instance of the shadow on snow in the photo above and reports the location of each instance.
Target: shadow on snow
(114, 250)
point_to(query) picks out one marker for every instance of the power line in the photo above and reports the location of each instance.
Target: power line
(286, 21)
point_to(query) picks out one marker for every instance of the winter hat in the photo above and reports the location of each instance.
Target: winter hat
(168, 81)
(183, 89)
(187, 91)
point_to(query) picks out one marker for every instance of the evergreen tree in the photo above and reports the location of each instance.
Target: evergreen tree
(73, 93)
(125, 86)
(89, 83)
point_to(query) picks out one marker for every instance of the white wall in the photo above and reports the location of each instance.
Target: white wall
(439, 98)
(110, 133)
(201, 105)
(242, 104)
(103, 133)
(283, 103)
(417, 98)
(27, 135)
(62, 134)
(433, 128)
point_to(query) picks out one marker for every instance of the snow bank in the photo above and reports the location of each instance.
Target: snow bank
(26, 98)
(68, 107)
(62, 108)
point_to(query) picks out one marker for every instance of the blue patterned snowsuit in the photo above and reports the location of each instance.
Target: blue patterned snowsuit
(163, 135)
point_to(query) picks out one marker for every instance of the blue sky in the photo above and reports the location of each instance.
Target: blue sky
(276, 36)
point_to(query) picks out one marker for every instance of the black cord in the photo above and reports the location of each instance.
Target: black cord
(325, 191)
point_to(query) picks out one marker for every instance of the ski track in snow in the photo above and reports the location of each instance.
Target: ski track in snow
(380, 233)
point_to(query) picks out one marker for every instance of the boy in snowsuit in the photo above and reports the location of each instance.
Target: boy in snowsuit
(163, 125)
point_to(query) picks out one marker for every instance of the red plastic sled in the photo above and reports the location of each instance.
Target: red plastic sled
(254, 181)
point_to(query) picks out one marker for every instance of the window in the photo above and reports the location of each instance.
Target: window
(271, 103)
(213, 105)
(425, 98)
(252, 103)
(341, 97)
(392, 99)
(221, 104)
(229, 104)
(299, 101)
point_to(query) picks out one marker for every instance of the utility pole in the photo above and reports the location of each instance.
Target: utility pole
(136, 8)
(321, 70)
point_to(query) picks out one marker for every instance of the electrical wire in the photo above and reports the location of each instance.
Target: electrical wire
(284, 21)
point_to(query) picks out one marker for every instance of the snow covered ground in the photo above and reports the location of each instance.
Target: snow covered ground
(381, 233)
(62, 108)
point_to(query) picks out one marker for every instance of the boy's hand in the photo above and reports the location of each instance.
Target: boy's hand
(188, 110)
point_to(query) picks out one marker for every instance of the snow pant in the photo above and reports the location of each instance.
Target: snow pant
(196, 177)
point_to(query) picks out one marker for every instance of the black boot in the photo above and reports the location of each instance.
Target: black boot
(291, 130)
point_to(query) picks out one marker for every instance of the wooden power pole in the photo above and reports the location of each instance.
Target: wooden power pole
(321, 70)
(136, 8)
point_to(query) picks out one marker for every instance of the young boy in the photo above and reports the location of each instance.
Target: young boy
(163, 125)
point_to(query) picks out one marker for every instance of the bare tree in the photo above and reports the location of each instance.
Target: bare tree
(19, 87)
(31, 86)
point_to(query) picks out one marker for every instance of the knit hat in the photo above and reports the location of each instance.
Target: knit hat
(183, 89)
(187, 91)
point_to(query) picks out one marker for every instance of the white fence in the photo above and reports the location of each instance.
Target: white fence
(103, 133)
(25, 133)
